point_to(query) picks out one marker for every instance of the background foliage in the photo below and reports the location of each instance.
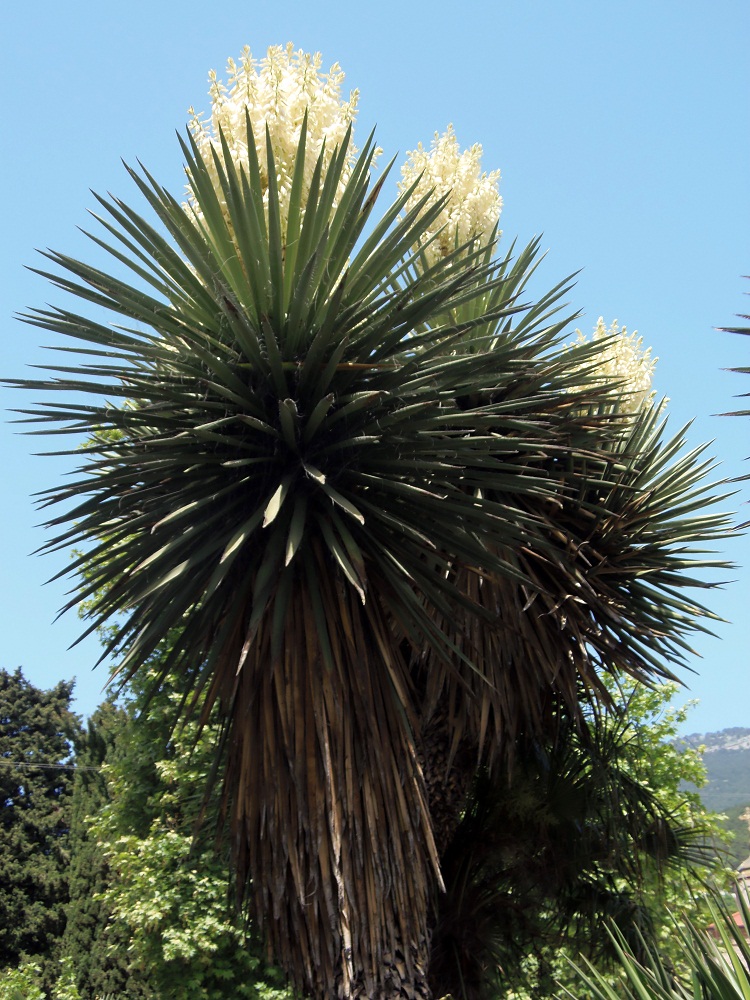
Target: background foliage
(168, 894)
(594, 827)
(37, 730)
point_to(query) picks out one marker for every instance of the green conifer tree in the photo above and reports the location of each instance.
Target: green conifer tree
(37, 729)
(91, 938)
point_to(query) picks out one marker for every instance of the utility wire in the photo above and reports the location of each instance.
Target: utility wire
(53, 767)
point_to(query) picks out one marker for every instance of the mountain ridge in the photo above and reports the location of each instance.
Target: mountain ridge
(730, 739)
(726, 755)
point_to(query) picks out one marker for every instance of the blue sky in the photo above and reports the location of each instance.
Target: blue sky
(621, 130)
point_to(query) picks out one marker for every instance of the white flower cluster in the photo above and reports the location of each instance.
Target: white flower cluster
(474, 204)
(625, 362)
(276, 93)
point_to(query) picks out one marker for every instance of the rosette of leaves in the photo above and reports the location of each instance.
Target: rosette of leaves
(610, 581)
(309, 455)
(715, 962)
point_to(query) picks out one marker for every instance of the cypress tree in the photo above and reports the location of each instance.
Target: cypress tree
(91, 938)
(37, 729)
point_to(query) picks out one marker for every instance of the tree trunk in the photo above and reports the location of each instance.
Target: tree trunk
(447, 774)
(400, 980)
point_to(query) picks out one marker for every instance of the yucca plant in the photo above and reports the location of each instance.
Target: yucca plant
(387, 517)
(744, 330)
(715, 966)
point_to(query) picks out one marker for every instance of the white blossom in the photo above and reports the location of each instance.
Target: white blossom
(276, 93)
(625, 364)
(474, 204)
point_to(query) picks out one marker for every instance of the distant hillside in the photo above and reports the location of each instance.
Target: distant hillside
(726, 739)
(727, 760)
(739, 849)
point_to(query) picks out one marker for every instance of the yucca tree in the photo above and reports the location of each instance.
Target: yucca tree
(745, 330)
(388, 520)
(716, 966)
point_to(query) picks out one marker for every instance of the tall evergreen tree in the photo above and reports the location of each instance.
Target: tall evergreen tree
(91, 937)
(37, 729)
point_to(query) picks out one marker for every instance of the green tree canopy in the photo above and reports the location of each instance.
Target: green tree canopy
(95, 947)
(37, 730)
(174, 922)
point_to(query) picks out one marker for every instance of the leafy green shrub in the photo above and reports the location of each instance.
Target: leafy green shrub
(22, 983)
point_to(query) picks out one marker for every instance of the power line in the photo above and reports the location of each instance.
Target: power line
(52, 767)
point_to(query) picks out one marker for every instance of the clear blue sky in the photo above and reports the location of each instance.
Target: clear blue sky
(622, 133)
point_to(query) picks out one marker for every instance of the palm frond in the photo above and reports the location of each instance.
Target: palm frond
(572, 837)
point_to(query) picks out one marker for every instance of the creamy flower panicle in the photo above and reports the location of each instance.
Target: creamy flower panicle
(474, 203)
(276, 93)
(624, 361)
